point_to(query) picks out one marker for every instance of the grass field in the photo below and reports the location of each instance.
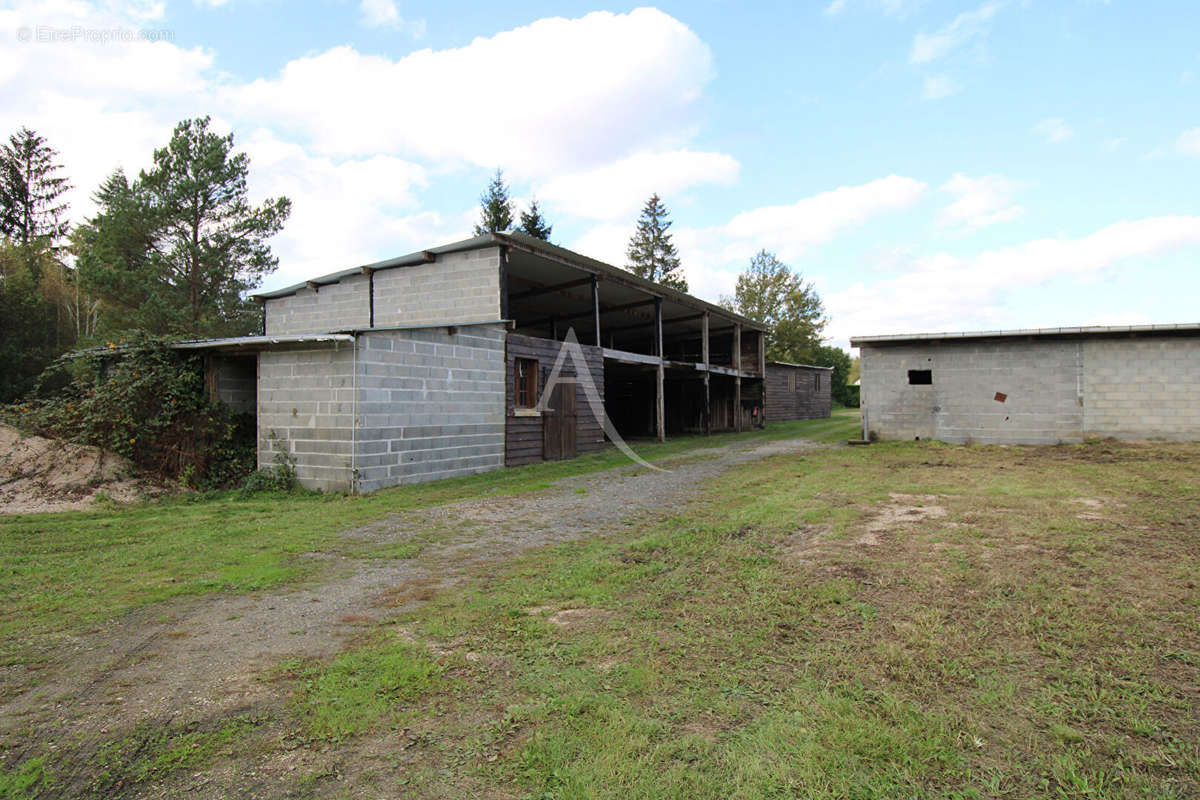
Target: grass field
(900, 620)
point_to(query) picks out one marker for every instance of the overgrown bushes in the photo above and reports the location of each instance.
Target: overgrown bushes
(147, 402)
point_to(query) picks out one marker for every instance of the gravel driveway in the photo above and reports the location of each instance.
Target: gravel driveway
(199, 659)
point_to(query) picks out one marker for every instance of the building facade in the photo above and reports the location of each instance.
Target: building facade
(1037, 386)
(798, 391)
(497, 350)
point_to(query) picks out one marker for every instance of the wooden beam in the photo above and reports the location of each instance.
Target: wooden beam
(660, 402)
(537, 323)
(704, 357)
(504, 307)
(688, 318)
(737, 381)
(762, 370)
(558, 287)
(596, 308)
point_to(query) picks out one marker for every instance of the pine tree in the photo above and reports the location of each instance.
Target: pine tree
(534, 224)
(651, 252)
(496, 208)
(177, 249)
(31, 212)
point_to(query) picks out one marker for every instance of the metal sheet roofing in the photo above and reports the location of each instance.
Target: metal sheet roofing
(1083, 331)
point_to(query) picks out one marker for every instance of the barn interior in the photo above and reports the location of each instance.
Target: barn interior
(672, 363)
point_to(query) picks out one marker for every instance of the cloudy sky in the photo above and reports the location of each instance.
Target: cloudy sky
(928, 165)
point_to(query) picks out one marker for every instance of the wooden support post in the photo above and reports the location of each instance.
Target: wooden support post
(762, 370)
(660, 405)
(554, 328)
(596, 308)
(737, 385)
(704, 358)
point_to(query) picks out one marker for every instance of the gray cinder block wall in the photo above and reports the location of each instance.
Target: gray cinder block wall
(1142, 388)
(396, 406)
(1034, 390)
(431, 404)
(306, 408)
(457, 287)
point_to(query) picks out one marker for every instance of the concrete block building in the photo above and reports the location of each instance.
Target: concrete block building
(500, 349)
(1033, 386)
(798, 391)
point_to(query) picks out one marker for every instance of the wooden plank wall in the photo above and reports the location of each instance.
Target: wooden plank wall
(804, 402)
(523, 435)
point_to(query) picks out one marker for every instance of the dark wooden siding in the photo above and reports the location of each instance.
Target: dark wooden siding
(523, 434)
(805, 401)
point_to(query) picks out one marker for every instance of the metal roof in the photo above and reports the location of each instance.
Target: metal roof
(1084, 331)
(263, 341)
(790, 364)
(529, 244)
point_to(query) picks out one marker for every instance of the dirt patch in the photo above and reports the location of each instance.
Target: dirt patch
(39, 474)
(904, 509)
(578, 618)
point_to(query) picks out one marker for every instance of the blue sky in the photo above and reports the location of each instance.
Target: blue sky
(928, 165)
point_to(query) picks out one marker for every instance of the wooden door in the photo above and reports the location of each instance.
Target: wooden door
(559, 422)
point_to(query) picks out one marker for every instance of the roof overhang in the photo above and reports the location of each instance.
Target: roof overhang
(1093, 331)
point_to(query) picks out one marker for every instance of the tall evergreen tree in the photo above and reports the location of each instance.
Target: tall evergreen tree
(769, 292)
(534, 224)
(32, 212)
(496, 207)
(178, 248)
(651, 252)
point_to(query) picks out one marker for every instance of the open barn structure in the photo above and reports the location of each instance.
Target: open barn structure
(498, 350)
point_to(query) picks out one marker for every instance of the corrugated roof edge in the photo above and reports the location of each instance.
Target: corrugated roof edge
(790, 364)
(1093, 330)
(528, 242)
(283, 338)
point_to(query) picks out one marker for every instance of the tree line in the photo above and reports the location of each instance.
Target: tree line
(767, 290)
(171, 252)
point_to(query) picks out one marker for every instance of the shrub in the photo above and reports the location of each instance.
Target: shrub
(145, 401)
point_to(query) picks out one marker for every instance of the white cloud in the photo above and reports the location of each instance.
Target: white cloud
(344, 213)
(962, 29)
(1054, 129)
(619, 189)
(979, 202)
(385, 14)
(939, 86)
(592, 106)
(100, 104)
(1189, 142)
(790, 229)
(943, 292)
(1113, 144)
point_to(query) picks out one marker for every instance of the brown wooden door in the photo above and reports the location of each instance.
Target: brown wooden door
(559, 422)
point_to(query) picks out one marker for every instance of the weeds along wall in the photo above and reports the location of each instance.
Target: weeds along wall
(396, 406)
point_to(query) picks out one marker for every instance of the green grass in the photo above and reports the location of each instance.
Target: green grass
(900, 620)
(64, 572)
(749, 647)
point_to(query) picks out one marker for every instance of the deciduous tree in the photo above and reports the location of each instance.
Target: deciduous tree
(768, 291)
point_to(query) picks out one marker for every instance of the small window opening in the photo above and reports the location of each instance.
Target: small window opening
(817, 381)
(920, 377)
(525, 383)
